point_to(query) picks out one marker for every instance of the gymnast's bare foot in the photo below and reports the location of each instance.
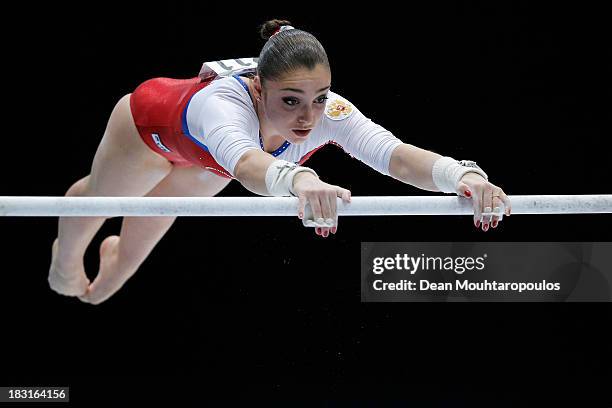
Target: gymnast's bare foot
(110, 276)
(68, 280)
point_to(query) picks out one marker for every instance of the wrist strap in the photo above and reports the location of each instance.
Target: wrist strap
(447, 172)
(279, 177)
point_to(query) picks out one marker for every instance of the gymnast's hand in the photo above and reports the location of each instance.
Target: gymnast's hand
(486, 197)
(322, 199)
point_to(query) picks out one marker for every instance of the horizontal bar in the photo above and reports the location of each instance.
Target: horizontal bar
(32, 206)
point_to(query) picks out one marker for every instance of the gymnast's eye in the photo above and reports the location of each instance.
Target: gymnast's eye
(321, 99)
(290, 101)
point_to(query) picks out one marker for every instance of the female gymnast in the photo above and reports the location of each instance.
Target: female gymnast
(254, 120)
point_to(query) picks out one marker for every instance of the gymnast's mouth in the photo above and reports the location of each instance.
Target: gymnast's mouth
(301, 132)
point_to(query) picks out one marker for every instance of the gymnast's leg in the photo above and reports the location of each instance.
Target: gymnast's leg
(123, 166)
(121, 256)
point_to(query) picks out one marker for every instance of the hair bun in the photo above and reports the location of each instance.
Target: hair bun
(269, 27)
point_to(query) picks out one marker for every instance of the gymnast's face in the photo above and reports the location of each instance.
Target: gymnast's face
(294, 104)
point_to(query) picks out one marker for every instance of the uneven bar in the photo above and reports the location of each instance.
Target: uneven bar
(45, 206)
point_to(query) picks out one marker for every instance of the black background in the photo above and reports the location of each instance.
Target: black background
(263, 308)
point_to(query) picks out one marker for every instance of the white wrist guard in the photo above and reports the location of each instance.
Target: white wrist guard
(279, 177)
(447, 172)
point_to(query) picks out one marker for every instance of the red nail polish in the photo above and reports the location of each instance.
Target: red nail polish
(477, 224)
(468, 193)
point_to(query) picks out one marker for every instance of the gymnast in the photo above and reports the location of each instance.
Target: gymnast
(256, 120)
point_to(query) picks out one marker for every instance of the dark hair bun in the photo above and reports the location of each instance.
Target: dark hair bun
(269, 27)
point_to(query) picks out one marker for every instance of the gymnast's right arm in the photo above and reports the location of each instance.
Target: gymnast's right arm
(262, 174)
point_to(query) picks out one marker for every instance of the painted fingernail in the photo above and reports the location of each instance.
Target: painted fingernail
(325, 234)
(468, 193)
(318, 230)
(486, 226)
(477, 223)
(494, 224)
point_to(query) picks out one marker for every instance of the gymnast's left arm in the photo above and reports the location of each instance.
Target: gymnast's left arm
(381, 150)
(430, 171)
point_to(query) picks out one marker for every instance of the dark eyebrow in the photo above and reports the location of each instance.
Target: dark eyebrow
(300, 91)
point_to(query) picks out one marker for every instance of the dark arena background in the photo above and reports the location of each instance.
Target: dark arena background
(263, 310)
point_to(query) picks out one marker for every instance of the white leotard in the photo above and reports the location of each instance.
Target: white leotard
(221, 118)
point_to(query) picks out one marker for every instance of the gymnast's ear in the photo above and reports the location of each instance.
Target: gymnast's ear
(257, 84)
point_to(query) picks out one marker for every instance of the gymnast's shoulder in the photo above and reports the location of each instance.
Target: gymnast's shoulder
(338, 108)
